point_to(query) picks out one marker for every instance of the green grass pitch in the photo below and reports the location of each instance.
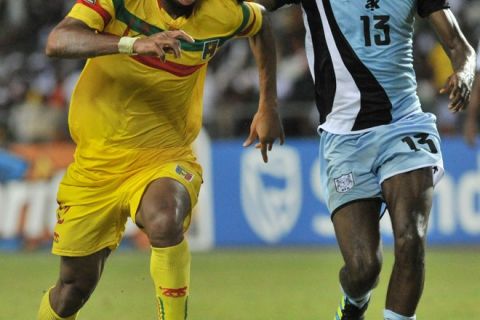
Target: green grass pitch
(263, 284)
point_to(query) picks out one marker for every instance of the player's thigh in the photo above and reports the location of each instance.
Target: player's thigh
(409, 200)
(357, 228)
(409, 164)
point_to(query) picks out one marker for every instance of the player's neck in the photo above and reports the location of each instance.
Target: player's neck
(176, 10)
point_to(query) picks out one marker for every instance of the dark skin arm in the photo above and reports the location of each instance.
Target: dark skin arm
(272, 5)
(266, 125)
(268, 4)
(471, 121)
(72, 38)
(462, 56)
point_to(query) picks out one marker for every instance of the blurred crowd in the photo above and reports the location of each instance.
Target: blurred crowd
(35, 90)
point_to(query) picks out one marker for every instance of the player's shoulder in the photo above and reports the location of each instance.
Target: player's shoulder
(227, 18)
(229, 8)
(223, 12)
(224, 5)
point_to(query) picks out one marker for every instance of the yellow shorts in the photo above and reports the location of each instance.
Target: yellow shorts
(92, 212)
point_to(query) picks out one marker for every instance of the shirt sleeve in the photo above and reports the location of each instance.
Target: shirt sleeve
(252, 19)
(427, 7)
(95, 13)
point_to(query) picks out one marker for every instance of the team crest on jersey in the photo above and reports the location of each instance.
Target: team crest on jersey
(210, 48)
(372, 5)
(184, 173)
(91, 1)
(344, 182)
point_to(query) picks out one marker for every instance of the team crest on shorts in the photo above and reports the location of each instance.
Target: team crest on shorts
(344, 182)
(184, 173)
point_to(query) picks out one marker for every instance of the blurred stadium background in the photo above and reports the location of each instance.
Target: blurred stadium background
(264, 246)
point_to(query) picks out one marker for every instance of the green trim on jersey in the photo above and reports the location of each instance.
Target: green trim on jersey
(144, 28)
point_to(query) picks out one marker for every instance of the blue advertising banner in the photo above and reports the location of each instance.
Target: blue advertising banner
(282, 203)
(245, 202)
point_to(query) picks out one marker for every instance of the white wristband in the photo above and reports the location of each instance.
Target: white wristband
(125, 45)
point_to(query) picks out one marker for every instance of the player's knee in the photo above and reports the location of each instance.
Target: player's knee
(364, 272)
(165, 226)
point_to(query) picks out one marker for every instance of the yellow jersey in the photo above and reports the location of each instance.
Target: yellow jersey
(138, 104)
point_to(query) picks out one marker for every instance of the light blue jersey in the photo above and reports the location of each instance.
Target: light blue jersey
(360, 55)
(371, 122)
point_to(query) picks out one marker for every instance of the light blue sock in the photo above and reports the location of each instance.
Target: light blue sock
(390, 315)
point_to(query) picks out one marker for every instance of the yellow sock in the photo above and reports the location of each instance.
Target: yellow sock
(170, 270)
(46, 312)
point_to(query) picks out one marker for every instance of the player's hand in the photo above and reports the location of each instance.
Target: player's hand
(162, 43)
(459, 88)
(470, 131)
(266, 127)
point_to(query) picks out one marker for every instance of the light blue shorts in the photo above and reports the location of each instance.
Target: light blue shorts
(353, 166)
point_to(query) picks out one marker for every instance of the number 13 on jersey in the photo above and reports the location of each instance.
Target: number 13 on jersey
(380, 23)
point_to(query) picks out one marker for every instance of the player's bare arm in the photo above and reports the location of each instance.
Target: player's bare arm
(471, 121)
(272, 5)
(459, 84)
(266, 125)
(72, 38)
(162, 43)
